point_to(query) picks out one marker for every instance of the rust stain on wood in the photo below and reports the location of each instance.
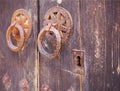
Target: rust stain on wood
(24, 86)
(45, 87)
(6, 81)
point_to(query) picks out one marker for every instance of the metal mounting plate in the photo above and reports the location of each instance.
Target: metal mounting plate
(78, 61)
(21, 17)
(62, 18)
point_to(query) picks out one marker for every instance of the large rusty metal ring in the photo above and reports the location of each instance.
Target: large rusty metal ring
(47, 29)
(19, 46)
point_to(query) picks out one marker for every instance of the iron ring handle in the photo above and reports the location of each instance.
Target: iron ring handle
(49, 28)
(11, 28)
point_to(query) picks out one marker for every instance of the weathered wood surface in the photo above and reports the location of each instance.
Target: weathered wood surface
(100, 40)
(99, 28)
(113, 45)
(21, 65)
(58, 73)
(96, 30)
(93, 21)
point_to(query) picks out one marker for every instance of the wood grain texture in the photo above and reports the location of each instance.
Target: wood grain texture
(93, 21)
(49, 70)
(58, 73)
(109, 31)
(17, 65)
(116, 47)
(100, 26)
(69, 79)
(96, 30)
(112, 80)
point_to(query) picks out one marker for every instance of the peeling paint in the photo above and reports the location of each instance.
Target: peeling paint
(118, 70)
(116, 27)
(97, 45)
(100, 5)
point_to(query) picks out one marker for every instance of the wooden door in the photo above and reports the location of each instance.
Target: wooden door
(100, 40)
(17, 67)
(58, 73)
(95, 32)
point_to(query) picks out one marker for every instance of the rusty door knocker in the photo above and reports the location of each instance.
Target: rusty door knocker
(61, 17)
(19, 30)
(46, 29)
(58, 21)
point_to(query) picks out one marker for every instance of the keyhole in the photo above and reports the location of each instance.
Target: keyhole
(51, 33)
(78, 61)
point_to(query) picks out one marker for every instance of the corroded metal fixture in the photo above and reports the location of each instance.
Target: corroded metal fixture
(47, 29)
(58, 21)
(19, 30)
(21, 17)
(61, 17)
(12, 27)
(78, 61)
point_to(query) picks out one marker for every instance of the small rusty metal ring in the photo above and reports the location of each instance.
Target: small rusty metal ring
(8, 37)
(42, 33)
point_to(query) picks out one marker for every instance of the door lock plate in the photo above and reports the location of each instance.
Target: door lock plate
(78, 61)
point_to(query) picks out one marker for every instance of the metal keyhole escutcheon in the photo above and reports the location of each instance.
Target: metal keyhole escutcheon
(19, 30)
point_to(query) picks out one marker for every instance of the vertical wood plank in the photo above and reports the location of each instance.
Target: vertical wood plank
(93, 20)
(49, 70)
(58, 73)
(112, 45)
(109, 43)
(69, 79)
(17, 65)
(115, 46)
